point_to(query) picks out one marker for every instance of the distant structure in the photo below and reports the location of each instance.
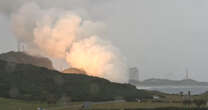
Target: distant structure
(189, 93)
(187, 74)
(133, 74)
(181, 93)
(20, 46)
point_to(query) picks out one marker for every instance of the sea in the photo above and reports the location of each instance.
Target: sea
(195, 90)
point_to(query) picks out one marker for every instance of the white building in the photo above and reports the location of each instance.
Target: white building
(133, 74)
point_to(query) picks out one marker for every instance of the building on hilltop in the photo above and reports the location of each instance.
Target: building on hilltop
(133, 74)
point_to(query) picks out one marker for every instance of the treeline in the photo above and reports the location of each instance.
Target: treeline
(28, 82)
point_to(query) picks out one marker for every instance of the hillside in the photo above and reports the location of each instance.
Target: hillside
(24, 58)
(28, 82)
(166, 82)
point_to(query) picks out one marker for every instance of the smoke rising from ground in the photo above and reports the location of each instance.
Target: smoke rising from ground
(97, 58)
(66, 35)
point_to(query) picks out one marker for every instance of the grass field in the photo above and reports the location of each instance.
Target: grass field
(133, 105)
(12, 104)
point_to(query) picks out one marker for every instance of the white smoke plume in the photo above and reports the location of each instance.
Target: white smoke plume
(97, 58)
(66, 35)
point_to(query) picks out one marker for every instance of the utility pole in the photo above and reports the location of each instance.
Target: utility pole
(18, 46)
(187, 73)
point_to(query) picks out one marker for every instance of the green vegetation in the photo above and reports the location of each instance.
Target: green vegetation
(11, 104)
(171, 108)
(200, 102)
(26, 87)
(28, 82)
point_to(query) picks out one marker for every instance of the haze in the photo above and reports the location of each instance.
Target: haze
(161, 38)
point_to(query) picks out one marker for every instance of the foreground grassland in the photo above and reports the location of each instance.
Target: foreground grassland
(171, 101)
(8, 104)
(134, 105)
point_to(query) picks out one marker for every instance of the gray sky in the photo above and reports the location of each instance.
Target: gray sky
(160, 37)
(7, 39)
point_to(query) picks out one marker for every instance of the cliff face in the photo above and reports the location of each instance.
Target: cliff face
(24, 58)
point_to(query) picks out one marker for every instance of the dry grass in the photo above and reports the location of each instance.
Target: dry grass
(169, 101)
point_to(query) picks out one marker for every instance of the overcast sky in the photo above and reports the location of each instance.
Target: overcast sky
(160, 37)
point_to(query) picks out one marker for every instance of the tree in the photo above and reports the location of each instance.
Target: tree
(199, 102)
(14, 92)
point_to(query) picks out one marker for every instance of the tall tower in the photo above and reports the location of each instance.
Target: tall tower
(187, 73)
(20, 46)
(134, 74)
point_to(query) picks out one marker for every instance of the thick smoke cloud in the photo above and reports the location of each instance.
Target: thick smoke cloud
(67, 35)
(97, 58)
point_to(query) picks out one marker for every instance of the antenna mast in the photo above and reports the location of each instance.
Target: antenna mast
(187, 73)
